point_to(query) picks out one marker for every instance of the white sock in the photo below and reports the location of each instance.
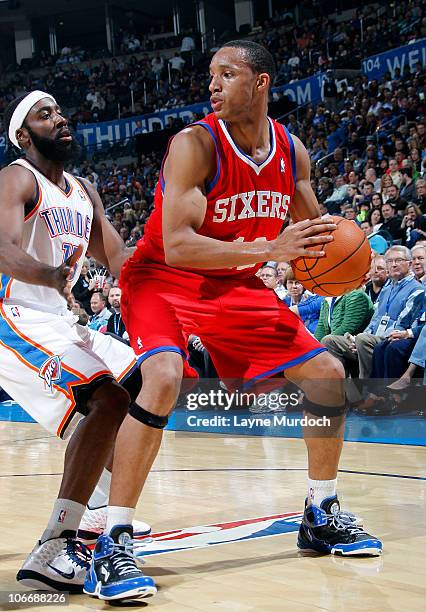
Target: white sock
(66, 516)
(118, 515)
(319, 490)
(100, 495)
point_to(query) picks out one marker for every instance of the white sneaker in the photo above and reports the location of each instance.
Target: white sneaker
(59, 564)
(93, 525)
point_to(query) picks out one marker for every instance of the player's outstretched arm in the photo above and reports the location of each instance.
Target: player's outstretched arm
(190, 164)
(105, 244)
(17, 188)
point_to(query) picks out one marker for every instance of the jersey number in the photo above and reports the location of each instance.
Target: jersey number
(68, 250)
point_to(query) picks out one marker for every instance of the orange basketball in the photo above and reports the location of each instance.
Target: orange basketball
(346, 262)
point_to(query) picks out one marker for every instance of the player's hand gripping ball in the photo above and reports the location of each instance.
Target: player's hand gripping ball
(345, 264)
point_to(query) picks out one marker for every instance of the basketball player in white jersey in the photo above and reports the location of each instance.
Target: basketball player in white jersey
(57, 370)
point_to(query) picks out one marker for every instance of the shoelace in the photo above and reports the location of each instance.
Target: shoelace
(341, 523)
(347, 517)
(124, 560)
(79, 554)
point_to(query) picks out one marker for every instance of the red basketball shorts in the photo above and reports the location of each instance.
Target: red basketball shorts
(247, 331)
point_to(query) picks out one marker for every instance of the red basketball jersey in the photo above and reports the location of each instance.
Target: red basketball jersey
(246, 201)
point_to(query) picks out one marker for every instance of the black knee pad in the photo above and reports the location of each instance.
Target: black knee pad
(147, 418)
(319, 411)
(133, 384)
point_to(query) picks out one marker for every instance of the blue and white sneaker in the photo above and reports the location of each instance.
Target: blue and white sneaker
(325, 529)
(113, 573)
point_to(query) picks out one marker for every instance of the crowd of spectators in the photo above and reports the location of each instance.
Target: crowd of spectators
(368, 152)
(142, 80)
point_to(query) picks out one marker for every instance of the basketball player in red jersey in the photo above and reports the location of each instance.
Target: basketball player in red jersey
(226, 186)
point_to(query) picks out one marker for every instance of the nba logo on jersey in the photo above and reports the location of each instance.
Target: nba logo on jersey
(50, 371)
(282, 165)
(81, 194)
(62, 515)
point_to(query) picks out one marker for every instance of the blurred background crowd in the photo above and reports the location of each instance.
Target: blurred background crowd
(366, 139)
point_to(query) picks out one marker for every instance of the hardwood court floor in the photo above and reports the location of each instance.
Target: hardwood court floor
(205, 479)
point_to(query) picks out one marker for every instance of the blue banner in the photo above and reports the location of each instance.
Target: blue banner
(91, 134)
(408, 55)
(303, 91)
(300, 92)
(120, 129)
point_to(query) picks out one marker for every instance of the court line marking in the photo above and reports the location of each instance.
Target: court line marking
(405, 476)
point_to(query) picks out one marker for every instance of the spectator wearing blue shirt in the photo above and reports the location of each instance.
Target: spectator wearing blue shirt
(305, 304)
(101, 314)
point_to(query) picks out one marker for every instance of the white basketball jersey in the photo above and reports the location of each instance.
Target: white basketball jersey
(58, 223)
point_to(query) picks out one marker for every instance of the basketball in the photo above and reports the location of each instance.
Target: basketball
(346, 262)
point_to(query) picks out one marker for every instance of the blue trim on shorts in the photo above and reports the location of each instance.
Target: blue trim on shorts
(129, 373)
(284, 366)
(32, 354)
(160, 349)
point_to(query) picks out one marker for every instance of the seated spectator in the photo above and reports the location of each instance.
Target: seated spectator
(349, 212)
(84, 287)
(386, 182)
(339, 194)
(394, 302)
(418, 253)
(375, 218)
(376, 200)
(408, 187)
(325, 189)
(390, 357)
(371, 176)
(305, 304)
(391, 222)
(363, 210)
(420, 198)
(115, 324)
(340, 318)
(101, 314)
(281, 289)
(414, 226)
(367, 190)
(416, 360)
(395, 200)
(378, 278)
(394, 173)
(351, 197)
(78, 310)
(269, 275)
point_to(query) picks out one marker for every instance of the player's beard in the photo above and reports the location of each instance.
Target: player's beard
(55, 150)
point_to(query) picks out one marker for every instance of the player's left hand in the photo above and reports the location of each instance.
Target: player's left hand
(63, 274)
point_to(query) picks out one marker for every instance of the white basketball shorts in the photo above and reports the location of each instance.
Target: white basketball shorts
(46, 360)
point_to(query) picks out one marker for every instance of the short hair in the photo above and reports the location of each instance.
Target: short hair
(257, 56)
(402, 249)
(288, 275)
(267, 265)
(10, 109)
(418, 246)
(101, 295)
